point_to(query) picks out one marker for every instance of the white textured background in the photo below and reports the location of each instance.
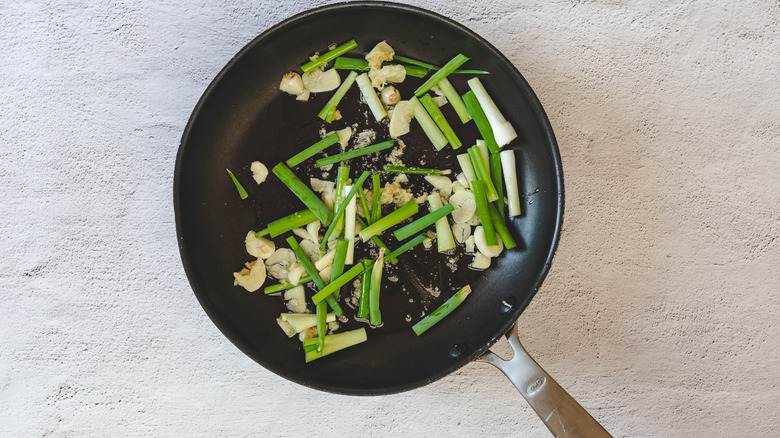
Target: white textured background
(660, 314)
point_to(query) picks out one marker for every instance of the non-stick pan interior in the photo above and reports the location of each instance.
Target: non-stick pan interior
(243, 117)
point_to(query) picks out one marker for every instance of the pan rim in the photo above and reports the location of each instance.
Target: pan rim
(516, 310)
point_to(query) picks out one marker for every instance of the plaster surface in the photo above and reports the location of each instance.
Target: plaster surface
(660, 313)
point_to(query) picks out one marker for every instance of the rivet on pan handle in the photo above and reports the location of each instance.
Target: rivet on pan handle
(559, 411)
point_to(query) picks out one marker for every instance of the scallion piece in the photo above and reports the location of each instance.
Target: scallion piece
(483, 173)
(442, 311)
(376, 210)
(287, 223)
(322, 324)
(374, 313)
(350, 216)
(422, 223)
(329, 111)
(467, 168)
(342, 245)
(478, 188)
(442, 73)
(365, 287)
(334, 343)
(406, 247)
(501, 228)
(336, 284)
(301, 321)
(315, 276)
(435, 67)
(364, 205)
(428, 125)
(303, 192)
(354, 153)
(342, 207)
(503, 132)
(444, 240)
(441, 122)
(341, 180)
(310, 151)
(406, 211)
(326, 57)
(285, 285)
(376, 240)
(472, 105)
(455, 100)
(414, 170)
(344, 63)
(510, 178)
(498, 181)
(369, 95)
(239, 187)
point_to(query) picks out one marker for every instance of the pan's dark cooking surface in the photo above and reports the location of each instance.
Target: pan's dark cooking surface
(243, 117)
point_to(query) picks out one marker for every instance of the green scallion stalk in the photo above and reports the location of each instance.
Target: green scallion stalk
(422, 223)
(342, 207)
(434, 67)
(365, 287)
(478, 188)
(498, 181)
(364, 205)
(369, 95)
(374, 313)
(338, 263)
(301, 321)
(406, 247)
(354, 153)
(467, 168)
(414, 170)
(376, 211)
(329, 111)
(484, 152)
(503, 131)
(406, 211)
(472, 105)
(500, 225)
(285, 285)
(288, 223)
(334, 343)
(437, 116)
(341, 180)
(471, 72)
(483, 173)
(322, 324)
(510, 178)
(350, 221)
(315, 276)
(336, 284)
(444, 240)
(327, 57)
(303, 192)
(428, 125)
(310, 151)
(376, 240)
(239, 187)
(344, 63)
(448, 68)
(455, 100)
(442, 311)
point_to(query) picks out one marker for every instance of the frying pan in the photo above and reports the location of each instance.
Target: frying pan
(243, 117)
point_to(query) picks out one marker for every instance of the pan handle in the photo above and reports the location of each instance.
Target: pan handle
(559, 411)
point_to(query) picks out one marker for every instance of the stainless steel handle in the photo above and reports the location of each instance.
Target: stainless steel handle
(559, 411)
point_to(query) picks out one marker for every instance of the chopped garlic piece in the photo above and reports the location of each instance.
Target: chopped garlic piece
(380, 53)
(286, 327)
(401, 118)
(252, 277)
(344, 136)
(303, 96)
(483, 247)
(469, 244)
(318, 81)
(259, 247)
(319, 185)
(295, 299)
(465, 206)
(291, 83)
(390, 96)
(259, 171)
(481, 262)
(441, 183)
(279, 263)
(461, 232)
(389, 73)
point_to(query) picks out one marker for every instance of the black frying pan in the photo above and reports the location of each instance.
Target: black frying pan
(243, 117)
